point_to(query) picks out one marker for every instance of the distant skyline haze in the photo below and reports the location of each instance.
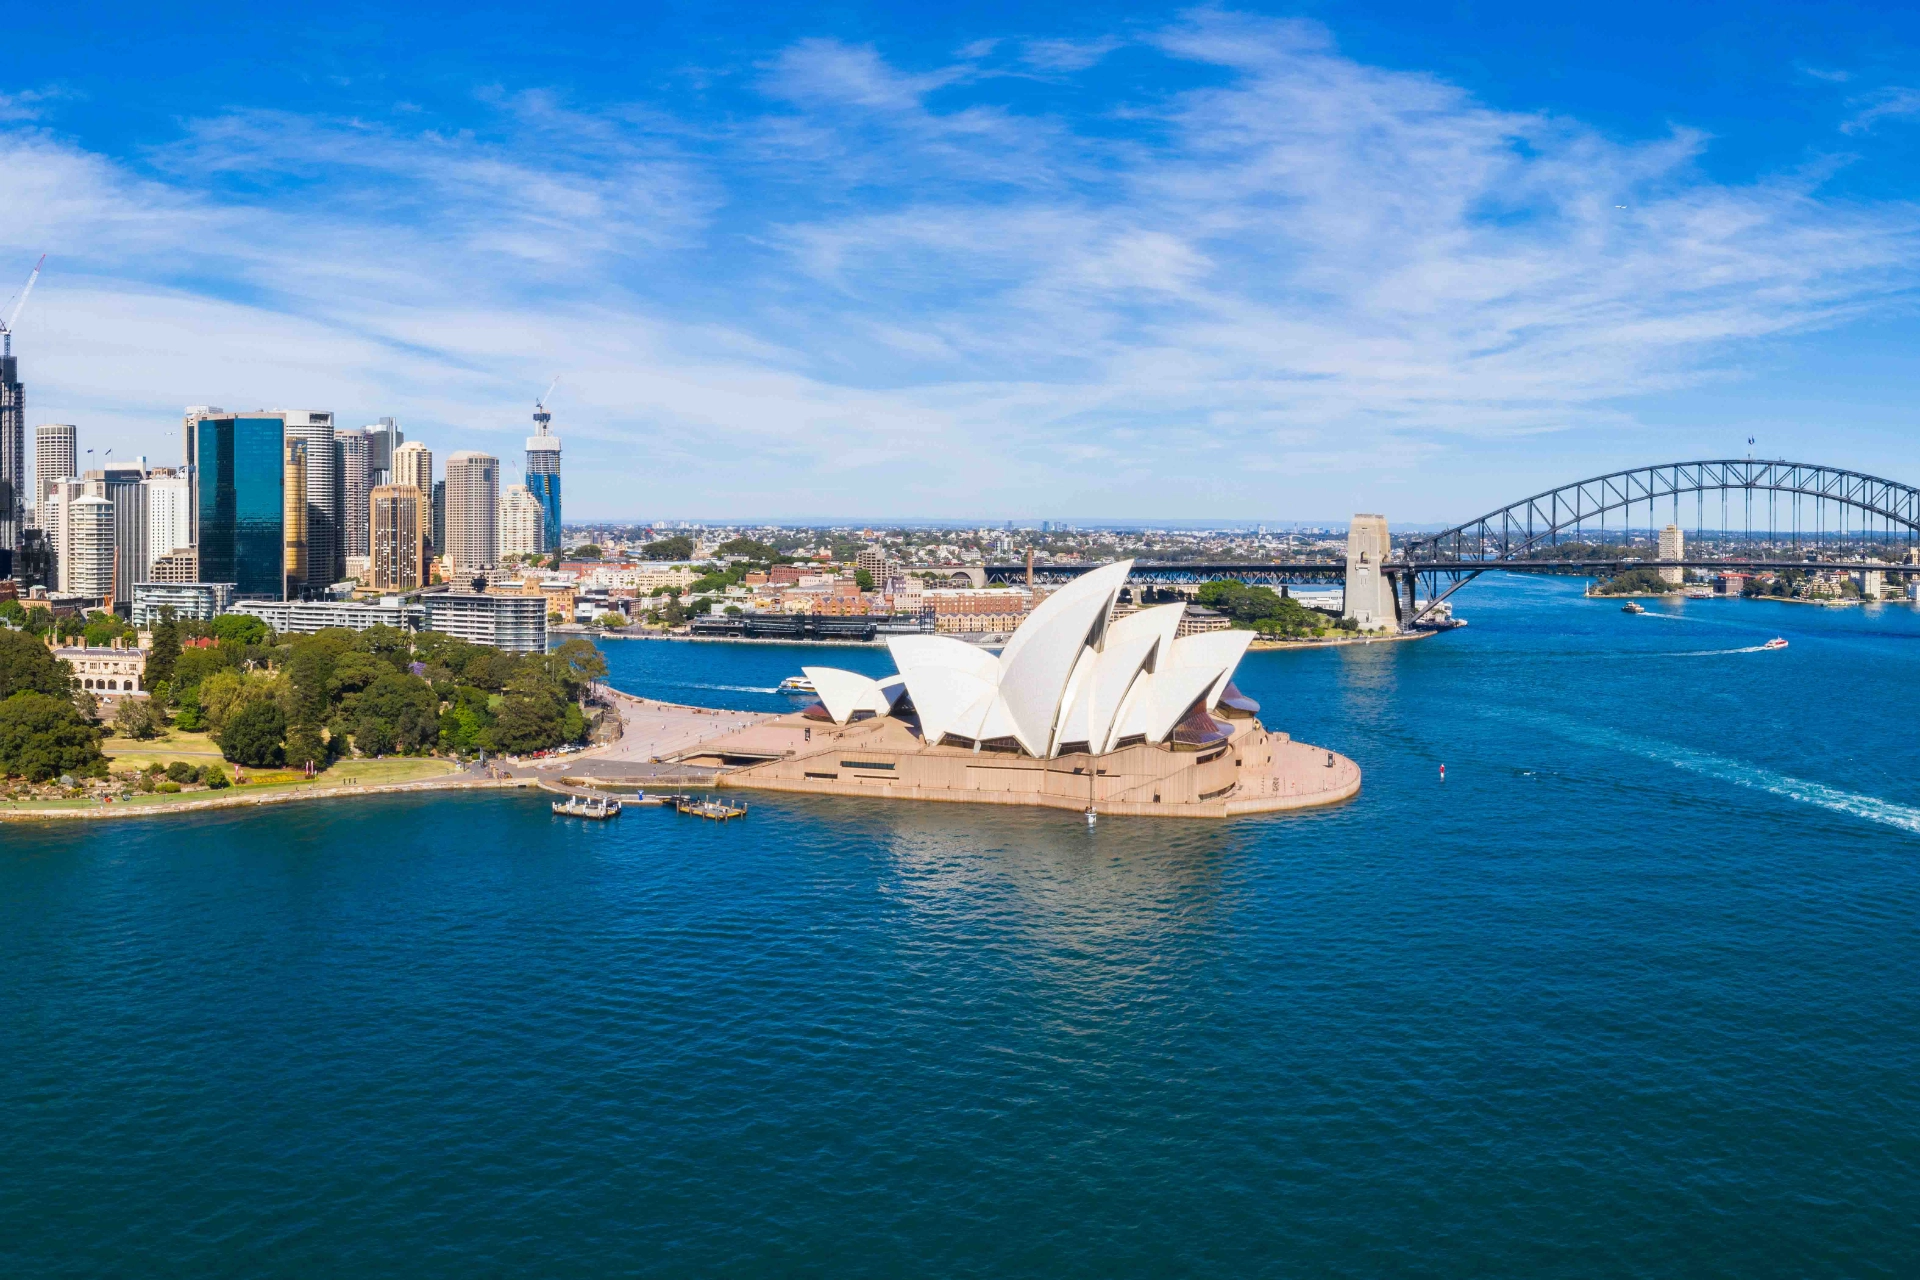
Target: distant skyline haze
(1135, 263)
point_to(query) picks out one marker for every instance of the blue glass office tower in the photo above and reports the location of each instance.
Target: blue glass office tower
(543, 477)
(241, 514)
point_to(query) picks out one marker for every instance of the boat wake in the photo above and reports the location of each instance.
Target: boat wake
(730, 688)
(1833, 799)
(1709, 653)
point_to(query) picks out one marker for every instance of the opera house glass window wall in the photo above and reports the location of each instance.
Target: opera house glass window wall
(239, 479)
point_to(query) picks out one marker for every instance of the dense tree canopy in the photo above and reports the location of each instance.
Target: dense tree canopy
(43, 736)
(240, 628)
(253, 736)
(1635, 582)
(748, 547)
(1264, 610)
(28, 665)
(311, 698)
(678, 547)
(396, 713)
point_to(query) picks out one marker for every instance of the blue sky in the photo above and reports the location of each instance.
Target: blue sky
(998, 261)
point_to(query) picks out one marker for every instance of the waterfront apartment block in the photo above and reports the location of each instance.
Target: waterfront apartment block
(516, 623)
(204, 601)
(304, 617)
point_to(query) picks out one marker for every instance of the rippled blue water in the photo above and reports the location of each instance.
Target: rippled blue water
(1631, 992)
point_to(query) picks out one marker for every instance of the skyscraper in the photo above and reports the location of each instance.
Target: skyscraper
(56, 450)
(473, 507)
(13, 453)
(351, 450)
(326, 563)
(543, 478)
(169, 515)
(89, 547)
(124, 488)
(399, 557)
(57, 519)
(413, 464)
(383, 438)
(438, 535)
(294, 513)
(189, 454)
(522, 522)
(239, 518)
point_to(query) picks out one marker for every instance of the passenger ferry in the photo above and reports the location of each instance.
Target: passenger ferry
(1632, 606)
(598, 808)
(796, 684)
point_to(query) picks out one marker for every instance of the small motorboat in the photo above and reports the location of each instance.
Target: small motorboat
(1777, 642)
(1632, 606)
(796, 684)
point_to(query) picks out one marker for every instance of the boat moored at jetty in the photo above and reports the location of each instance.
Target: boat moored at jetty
(598, 808)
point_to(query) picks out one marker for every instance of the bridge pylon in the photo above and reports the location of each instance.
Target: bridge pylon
(1369, 596)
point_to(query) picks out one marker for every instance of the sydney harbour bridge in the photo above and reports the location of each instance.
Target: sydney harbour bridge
(1739, 515)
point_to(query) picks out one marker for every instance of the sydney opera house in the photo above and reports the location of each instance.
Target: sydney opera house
(1080, 708)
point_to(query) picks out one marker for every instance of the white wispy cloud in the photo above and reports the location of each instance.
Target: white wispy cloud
(1890, 103)
(895, 289)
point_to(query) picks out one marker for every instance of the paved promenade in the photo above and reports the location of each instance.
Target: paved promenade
(651, 733)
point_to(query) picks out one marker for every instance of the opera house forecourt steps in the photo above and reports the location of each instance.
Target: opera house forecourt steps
(1078, 708)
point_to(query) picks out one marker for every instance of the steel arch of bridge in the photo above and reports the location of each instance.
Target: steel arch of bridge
(1514, 532)
(1510, 536)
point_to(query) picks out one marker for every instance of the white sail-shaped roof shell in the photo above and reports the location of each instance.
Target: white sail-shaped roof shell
(1165, 702)
(948, 700)
(944, 651)
(1040, 658)
(1220, 651)
(845, 693)
(1066, 676)
(1094, 703)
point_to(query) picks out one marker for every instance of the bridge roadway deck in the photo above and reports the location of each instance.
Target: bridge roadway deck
(1311, 570)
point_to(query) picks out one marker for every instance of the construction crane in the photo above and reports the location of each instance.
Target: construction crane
(6, 329)
(540, 415)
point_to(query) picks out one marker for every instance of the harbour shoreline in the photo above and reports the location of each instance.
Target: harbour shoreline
(95, 812)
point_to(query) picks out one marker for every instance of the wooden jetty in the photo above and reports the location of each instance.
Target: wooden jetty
(718, 810)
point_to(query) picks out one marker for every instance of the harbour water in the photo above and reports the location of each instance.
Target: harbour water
(1629, 992)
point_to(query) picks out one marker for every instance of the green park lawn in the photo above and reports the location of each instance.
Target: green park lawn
(197, 749)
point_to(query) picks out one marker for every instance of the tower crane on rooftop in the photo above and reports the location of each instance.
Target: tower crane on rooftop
(540, 415)
(6, 327)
